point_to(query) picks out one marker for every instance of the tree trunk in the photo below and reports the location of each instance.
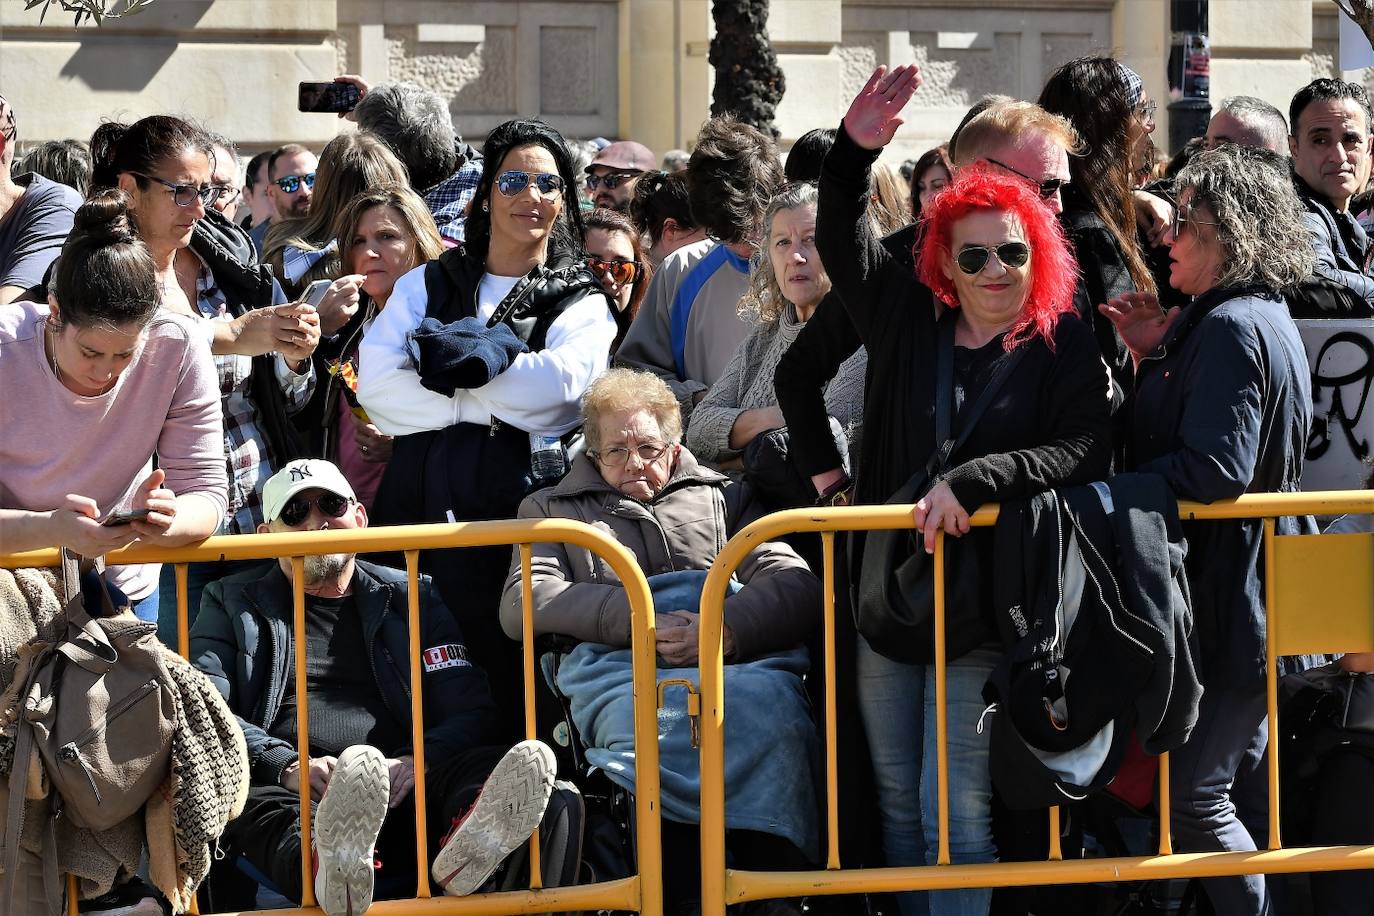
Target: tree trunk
(1362, 12)
(749, 82)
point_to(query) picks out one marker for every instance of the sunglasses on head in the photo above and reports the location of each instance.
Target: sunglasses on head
(973, 258)
(1046, 188)
(622, 272)
(297, 508)
(183, 195)
(612, 180)
(512, 183)
(290, 184)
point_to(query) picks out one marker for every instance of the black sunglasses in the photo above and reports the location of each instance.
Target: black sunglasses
(1047, 188)
(611, 181)
(512, 183)
(1183, 218)
(973, 258)
(183, 195)
(290, 184)
(297, 508)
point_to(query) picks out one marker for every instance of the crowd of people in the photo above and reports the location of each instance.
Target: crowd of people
(408, 329)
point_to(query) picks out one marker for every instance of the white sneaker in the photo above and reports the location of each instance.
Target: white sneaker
(347, 821)
(509, 807)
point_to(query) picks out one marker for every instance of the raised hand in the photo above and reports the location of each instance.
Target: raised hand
(872, 119)
(1140, 321)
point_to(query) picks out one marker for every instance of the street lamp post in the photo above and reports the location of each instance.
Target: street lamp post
(1190, 64)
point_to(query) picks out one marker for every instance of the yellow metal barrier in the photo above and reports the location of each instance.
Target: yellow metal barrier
(642, 892)
(1309, 610)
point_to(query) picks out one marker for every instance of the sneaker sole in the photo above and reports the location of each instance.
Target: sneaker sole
(347, 821)
(510, 806)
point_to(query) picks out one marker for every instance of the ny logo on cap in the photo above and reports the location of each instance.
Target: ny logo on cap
(300, 472)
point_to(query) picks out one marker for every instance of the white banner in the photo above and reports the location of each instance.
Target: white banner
(1340, 353)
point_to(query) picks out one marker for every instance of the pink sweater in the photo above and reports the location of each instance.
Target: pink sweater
(54, 442)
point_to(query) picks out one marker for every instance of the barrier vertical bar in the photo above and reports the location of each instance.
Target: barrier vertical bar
(832, 766)
(648, 796)
(183, 612)
(417, 725)
(1056, 853)
(1271, 663)
(72, 893)
(941, 714)
(527, 658)
(1166, 842)
(302, 729)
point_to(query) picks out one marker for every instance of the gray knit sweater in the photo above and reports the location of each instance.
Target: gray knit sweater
(747, 383)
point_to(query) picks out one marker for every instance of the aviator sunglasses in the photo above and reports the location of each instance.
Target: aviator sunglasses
(974, 258)
(622, 272)
(513, 182)
(297, 508)
(183, 195)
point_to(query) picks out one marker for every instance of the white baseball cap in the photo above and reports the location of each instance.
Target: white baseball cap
(303, 474)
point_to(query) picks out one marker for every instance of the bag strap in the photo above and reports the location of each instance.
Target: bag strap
(944, 397)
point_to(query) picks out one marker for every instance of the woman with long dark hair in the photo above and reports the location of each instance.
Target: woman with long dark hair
(1107, 104)
(617, 256)
(480, 398)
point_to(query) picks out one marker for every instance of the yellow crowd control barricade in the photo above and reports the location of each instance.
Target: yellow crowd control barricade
(1319, 598)
(642, 892)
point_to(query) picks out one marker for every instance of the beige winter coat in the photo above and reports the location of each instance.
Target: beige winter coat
(577, 594)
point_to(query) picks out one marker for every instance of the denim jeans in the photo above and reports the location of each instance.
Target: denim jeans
(1202, 773)
(897, 702)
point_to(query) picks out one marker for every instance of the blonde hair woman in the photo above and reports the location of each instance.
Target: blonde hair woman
(784, 290)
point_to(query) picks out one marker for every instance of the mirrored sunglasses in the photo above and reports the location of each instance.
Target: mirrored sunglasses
(297, 508)
(512, 183)
(974, 258)
(622, 272)
(290, 184)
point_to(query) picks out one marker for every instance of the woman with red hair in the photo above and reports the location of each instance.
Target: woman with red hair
(992, 297)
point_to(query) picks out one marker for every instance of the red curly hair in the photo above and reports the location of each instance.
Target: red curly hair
(1053, 269)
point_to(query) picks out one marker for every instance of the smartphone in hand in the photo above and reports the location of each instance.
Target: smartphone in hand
(314, 293)
(331, 97)
(123, 518)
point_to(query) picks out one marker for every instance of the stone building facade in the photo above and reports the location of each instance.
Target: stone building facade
(610, 67)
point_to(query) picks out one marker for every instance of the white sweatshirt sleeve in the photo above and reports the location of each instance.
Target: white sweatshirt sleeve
(540, 392)
(388, 384)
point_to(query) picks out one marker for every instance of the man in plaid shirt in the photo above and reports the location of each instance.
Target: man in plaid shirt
(416, 124)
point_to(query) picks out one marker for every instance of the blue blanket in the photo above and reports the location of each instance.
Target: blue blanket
(771, 747)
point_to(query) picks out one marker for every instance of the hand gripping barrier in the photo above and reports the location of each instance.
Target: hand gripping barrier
(1319, 598)
(643, 892)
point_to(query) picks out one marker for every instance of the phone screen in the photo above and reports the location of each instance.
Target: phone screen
(328, 97)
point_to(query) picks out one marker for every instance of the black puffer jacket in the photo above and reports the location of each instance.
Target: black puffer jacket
(229, 253)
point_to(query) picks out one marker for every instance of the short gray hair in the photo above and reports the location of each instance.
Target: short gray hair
(416, 124)
(626, 390)
(1261, 117)
(1259, 217)
(763, 301)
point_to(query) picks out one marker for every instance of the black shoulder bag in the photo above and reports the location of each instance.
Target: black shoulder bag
(895, 605)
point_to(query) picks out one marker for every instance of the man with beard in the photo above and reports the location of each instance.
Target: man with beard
(613, 173)
(290, 186)
(484, 799)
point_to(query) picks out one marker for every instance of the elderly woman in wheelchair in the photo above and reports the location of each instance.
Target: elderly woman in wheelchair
(638, 483)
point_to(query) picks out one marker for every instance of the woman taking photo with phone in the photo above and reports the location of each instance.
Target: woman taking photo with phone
(96, 380)
(516, 327)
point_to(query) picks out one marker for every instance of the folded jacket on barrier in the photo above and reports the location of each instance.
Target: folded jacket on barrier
(771, 745)
(1092, 605)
